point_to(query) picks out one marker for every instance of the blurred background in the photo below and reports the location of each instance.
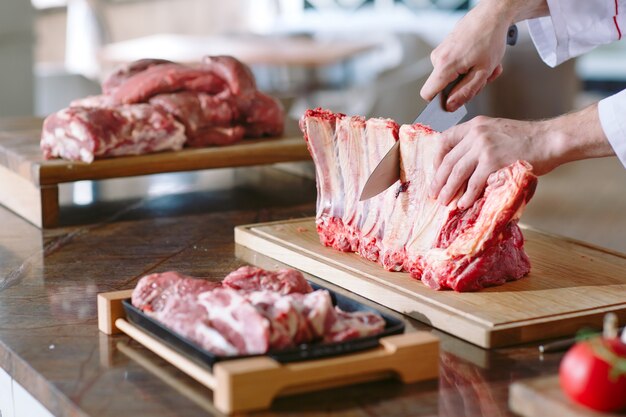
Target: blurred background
(367, 57)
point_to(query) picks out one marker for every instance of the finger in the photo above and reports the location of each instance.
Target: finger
(449, 139)
(445, 169)
(466, 89)
(495, 74)
(443, 74)
(475, 187)
(463, 170)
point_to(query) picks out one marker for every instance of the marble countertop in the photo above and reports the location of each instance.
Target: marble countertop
(50, 343)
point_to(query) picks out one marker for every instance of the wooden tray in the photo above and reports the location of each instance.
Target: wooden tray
(541, 397)
(29, 184)
(571, 285)
(252, 383)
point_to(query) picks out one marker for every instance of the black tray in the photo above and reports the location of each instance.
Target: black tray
(299, 353)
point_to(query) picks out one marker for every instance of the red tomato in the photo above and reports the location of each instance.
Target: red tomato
(593, 374)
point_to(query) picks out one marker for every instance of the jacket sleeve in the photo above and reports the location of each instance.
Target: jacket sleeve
(575, 27)
(612, 113)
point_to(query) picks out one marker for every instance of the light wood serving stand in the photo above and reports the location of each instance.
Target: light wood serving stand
(252, 383)
(29, 185)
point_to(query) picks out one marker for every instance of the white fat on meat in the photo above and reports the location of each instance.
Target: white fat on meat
(237, 319)
(330, 186)
(380, 136)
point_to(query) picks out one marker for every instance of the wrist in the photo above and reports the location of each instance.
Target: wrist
(512, 11)
(576, 136)
(551, 144)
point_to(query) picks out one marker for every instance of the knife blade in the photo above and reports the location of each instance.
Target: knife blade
(435, 115)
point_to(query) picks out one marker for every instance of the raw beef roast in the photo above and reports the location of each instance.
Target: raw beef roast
(124, 72)
(153, 105)
(85, 133)
(403, 228)
(251, 311)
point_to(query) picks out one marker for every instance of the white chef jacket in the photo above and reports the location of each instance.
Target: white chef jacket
(575, 27)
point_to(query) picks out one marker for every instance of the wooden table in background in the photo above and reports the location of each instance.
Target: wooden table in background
(251, 49)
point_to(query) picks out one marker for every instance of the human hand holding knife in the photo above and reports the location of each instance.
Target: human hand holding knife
(434, 115)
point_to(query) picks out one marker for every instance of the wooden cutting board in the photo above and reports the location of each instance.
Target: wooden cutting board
(29, 184)
(542, 397)
(571, 284)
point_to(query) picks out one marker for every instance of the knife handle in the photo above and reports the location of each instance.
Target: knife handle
(511, 35)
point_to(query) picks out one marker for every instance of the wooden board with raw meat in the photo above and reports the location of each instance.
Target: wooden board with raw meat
(250, 311)
(29, 183)
(173, 117)
(153, 105)
(539, 397)
(571, 284)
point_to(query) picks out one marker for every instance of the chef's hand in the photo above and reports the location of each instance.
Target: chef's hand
(475, 48)
(469, 152)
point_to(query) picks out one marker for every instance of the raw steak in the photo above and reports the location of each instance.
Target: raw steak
(283, 281)
(85, 133)
(403, 228)
(251, 311)
(155, 290)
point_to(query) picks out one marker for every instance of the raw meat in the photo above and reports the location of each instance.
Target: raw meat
(84, 133)
(124, 72)
(100, 101)
(167, 78)
(403, 228)
(217, 103)
(233, 316)
(265, 117)
(216, 136)
(155, 290)
(283, 281)
(207, 118)
(237, 76)
(250, 312)
(198, 110)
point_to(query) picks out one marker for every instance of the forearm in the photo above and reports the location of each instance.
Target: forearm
(513, 11)
(575, 136)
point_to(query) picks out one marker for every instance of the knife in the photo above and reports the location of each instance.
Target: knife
(435, 115)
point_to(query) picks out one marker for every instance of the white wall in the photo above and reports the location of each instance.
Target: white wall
(16, 62)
